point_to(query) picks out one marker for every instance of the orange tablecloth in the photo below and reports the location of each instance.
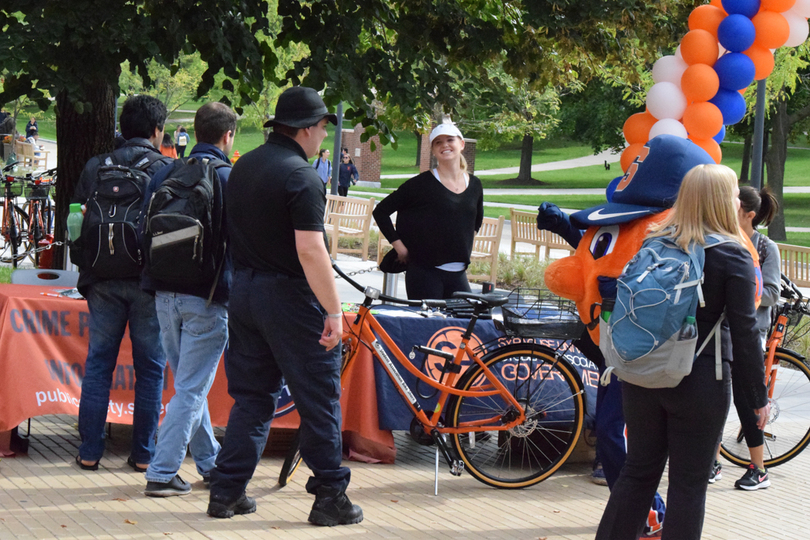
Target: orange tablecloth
(43, 346)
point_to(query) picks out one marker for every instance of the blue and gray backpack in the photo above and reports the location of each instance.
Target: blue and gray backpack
(658, 290)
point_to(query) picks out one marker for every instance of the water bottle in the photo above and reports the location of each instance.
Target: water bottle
(607, 308)
(688, 330)
(74, 221)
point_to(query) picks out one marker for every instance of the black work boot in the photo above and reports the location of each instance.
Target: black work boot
(333, 507)
(221, 509)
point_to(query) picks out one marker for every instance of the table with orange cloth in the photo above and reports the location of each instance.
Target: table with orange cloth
(43, 347)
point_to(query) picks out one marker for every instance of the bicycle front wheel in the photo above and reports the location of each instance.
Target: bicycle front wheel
(548, 389)
(788, 430)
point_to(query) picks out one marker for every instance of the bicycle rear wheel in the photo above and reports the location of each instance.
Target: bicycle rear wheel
(549, 390)
(15, 235)
(788, 430)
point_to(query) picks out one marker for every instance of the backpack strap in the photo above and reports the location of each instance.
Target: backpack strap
(762, 248)
(718, 359)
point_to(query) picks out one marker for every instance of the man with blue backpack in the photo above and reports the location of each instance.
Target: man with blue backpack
(111, 189)
(188, 269)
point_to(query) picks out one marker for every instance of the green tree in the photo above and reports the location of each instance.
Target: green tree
(74, 49)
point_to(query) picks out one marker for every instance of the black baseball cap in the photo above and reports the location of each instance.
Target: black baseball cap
(300, 107)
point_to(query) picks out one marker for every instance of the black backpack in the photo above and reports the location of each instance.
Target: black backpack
(184, 238)
(109, 244)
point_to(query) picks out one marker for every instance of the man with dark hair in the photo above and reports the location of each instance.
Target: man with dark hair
(115, 302)
(285, 315)
(194, 331)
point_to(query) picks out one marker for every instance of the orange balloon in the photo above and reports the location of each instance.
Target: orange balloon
(778, 6)
(711, 147)
(772, 29)
(637, 128)
(630, 153)
(699, 47)
(719, 5)
(702, 120)
(699, 83)
(763, 60)
(706, 17)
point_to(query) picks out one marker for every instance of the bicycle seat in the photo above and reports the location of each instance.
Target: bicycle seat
(490, 299)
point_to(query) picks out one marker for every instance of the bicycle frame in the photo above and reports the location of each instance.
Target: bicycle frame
(367, 329)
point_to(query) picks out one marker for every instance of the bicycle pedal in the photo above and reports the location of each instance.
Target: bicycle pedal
(457, 468)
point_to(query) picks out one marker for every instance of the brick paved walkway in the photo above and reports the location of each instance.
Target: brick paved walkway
(45, 495)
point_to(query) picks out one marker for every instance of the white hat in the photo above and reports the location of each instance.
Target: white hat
(447, 128)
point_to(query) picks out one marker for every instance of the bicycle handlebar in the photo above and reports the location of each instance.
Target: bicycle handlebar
(375, 294)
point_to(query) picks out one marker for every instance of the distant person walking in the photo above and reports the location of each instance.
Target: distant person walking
(167, 146)
(347, 175)
(323, 166)
(182, 141)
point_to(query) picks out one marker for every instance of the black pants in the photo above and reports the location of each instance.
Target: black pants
(682, 424)
(181, 151)
(275, 323)
(424, 282)
(748, 419)
(343, 190)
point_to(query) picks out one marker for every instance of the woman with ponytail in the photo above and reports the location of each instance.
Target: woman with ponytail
(757, 208)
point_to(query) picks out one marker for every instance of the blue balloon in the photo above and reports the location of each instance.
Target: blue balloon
(735, 71)
(749, 8)
(736, 33)
(731, 105)
(720, 135)
(611, 188)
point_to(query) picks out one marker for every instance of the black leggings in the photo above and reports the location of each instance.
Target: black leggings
(748, 419)
(424, 282)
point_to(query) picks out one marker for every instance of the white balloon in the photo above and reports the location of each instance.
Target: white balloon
(798, 28)
(720, 50)
(666, 100)
(669, 69)
(678, 54)
(668, 126)
(801, 8)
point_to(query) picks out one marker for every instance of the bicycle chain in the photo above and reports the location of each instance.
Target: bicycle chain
(358, 272)
(24, 254)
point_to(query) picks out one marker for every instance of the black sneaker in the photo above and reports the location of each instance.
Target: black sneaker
(753, 479)
(175, 486)
(206, 478)
(333, 507)
(717, 472)
(243, 505)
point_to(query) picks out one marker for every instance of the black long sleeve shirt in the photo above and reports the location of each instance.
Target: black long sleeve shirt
(435, 224)
(729, 285)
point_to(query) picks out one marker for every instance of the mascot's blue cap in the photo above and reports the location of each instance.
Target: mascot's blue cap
(650, 185)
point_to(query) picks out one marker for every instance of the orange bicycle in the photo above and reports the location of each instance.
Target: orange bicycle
(512, 415)
(787, 432)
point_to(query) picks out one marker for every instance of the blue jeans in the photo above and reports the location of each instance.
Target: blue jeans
(194, 336)
(275, 323)
(112, 304)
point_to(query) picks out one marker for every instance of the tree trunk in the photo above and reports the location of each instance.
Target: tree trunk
(775, 160)
(525, 172)
(80, 137)
(418, 147)
(746, 160)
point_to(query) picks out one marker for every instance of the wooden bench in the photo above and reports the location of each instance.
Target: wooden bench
(795, 263)
(28, 156)
(485, 248)
(348, 217)
(525, 231)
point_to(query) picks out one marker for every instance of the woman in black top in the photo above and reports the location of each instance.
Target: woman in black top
(683, 424)
(348, 175)
(438, 213)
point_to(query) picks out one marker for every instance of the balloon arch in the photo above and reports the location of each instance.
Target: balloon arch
(698, 90)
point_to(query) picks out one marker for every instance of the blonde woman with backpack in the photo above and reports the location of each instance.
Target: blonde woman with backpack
(683, 424)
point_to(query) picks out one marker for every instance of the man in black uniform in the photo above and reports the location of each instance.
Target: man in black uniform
(285, 318)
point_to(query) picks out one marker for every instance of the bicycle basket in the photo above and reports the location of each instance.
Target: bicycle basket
(539, 313)
(38, 191)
